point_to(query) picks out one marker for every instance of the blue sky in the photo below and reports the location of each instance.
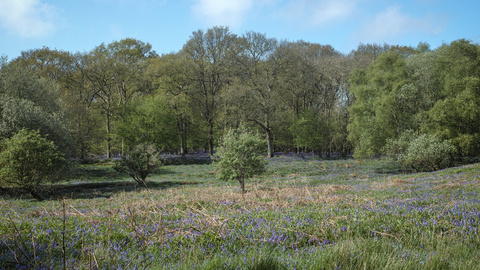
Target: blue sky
(80, 25)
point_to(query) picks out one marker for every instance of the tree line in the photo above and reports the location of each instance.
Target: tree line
(301, 96)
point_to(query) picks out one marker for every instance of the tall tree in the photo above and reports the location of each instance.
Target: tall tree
(101, 76)
(172, 74)
(455, 116)
(210, 53)
(376, 115)
(115, 74)
(261, 66)
(66, 70)
(318, 84)
(433, 92)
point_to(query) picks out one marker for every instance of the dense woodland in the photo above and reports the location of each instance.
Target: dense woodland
(302, 96)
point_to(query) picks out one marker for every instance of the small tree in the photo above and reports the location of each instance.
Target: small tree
(239, 156)
(27, 160)
(139, 162)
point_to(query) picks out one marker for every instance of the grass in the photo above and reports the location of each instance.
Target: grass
(300, 214)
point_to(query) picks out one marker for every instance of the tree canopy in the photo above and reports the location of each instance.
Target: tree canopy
(433, 92)
(301, 96)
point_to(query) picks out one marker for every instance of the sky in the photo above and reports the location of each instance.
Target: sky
(81, 25)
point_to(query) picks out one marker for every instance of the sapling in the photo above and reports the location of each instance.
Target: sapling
(239, 155)
(139, 162)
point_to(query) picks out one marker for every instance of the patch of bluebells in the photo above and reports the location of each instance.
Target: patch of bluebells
(287, 229)
(237, 231)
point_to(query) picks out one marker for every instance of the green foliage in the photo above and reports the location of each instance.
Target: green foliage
(28, 159)
(428, 153)
(141, 161)
(22, 113)
(394, 147)
(148, 120)
(308, 130)
(376, 116)
(18, 82)
(433, 92)
(29, 102)
(240, 155)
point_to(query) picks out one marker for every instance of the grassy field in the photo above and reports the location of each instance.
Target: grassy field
(301, 214)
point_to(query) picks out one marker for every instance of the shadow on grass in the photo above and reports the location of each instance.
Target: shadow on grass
(392, 167)
(89, 190)
(93, 181)
(187, 161)
(102, 173)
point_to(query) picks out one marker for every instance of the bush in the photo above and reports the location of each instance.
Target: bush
(240, 155)
(428, 153)
(394, 147)
(27, 160)
(139, 162)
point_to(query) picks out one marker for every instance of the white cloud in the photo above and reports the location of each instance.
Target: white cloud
(222, 12)
(317, 13)
(392, 23)
(27, 18)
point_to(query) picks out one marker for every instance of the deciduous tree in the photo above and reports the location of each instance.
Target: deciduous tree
(210, 54)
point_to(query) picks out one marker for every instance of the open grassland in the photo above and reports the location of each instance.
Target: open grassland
(301, 214)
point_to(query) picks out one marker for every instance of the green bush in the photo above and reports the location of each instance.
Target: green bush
(139, 162)
(428, 153)
(394, 147)
(27, 160)
(239, 156)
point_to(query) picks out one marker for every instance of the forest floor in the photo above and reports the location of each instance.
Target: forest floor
(305, 212)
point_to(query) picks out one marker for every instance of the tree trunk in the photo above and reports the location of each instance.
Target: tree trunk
(35, 195)
(242, 185)
(210, 138)
(108, 134)
(269, 144)
(182, 145)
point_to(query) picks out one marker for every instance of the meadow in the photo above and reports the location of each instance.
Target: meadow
(307, 213)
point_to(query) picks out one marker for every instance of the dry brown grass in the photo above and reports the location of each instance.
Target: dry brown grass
(455, 184)
(255, 196)
(201, 200)
(396, 182)
(353, 175)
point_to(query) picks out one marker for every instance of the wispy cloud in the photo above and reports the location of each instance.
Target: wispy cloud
(221, 12)
(28, 18)
(313, 13)
(392, 23)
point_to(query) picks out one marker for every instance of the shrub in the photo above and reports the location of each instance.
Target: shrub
(27, 160)
(139, 162)
(428, 153)
(239, 156)
(394, 147)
